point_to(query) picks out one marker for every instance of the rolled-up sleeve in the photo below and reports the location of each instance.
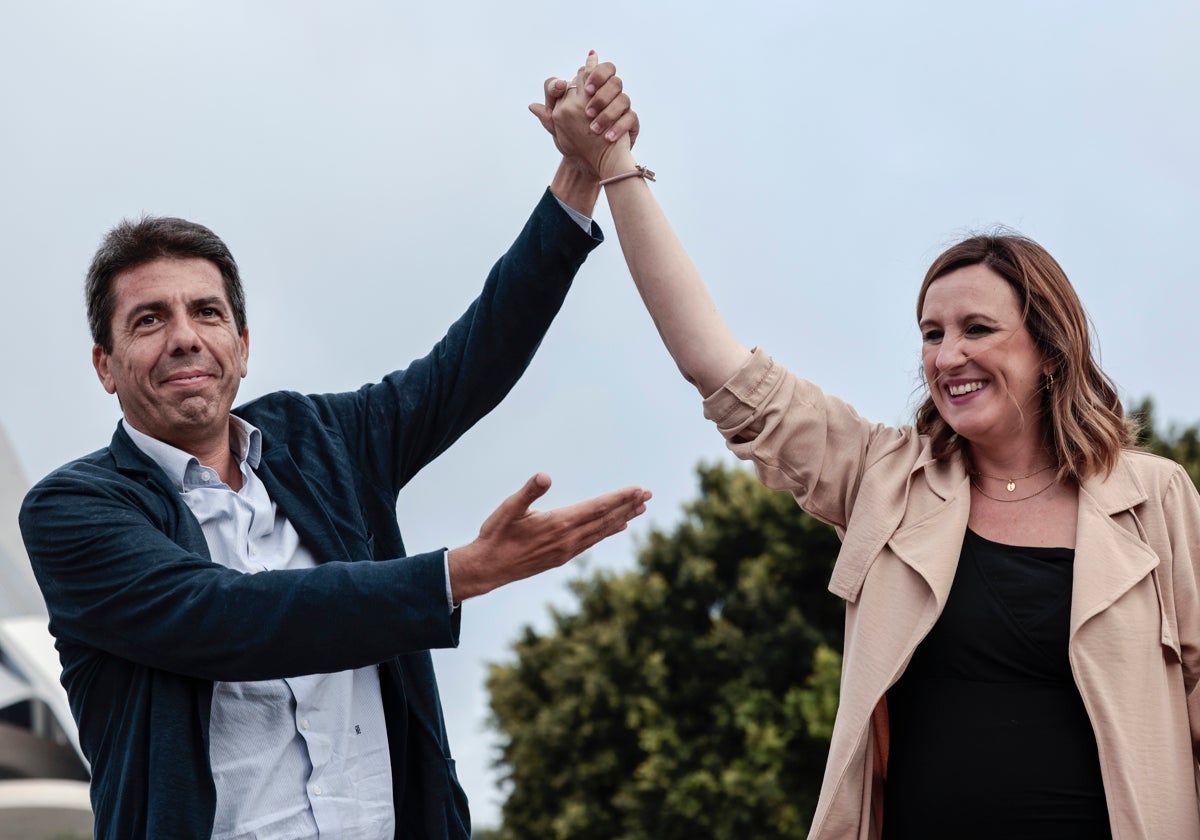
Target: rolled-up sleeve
(798, 438)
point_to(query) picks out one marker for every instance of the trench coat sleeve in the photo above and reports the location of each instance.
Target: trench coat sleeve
(799, 439)
(1182, 514)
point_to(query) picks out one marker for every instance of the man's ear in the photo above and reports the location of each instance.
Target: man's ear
(245, 342)
(100, 361)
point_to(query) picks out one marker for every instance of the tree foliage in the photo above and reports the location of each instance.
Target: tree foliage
(1181, 445)
(692, 697)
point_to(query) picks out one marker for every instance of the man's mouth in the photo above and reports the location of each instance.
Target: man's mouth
(187, 378)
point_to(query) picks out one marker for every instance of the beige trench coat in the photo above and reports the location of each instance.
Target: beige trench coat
(1135, 618)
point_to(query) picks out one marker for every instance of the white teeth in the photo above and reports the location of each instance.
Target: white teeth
(965, 388)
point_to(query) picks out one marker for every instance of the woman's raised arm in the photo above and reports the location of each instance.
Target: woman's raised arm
(692, 329)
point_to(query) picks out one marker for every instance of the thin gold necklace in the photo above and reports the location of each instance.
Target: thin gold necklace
(1052, 482)
(1012, 482)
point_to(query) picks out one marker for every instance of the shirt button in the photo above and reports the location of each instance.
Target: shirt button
(253, 551)
(206, 476)
(304, 724)
(317, 790)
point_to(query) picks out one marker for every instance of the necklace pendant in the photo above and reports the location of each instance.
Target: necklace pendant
(1012, 485)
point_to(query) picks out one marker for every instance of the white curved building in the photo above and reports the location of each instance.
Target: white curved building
(43, 776)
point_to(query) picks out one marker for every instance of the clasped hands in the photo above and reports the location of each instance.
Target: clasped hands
(590, 119)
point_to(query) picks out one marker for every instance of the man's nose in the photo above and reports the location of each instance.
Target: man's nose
(183, 337)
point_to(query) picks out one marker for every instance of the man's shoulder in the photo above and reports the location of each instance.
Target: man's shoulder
(290, 412)
(94, 474)
(280, 409)
(98, 462)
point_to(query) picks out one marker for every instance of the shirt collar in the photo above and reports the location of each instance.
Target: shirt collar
(245, 441)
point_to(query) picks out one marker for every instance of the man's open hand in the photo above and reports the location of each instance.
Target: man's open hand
(517, 542)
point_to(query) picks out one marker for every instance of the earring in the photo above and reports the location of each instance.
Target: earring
(1049, 382)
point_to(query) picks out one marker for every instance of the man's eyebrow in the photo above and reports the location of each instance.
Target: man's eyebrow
(152, 306)
(211, 300)
(147, 306)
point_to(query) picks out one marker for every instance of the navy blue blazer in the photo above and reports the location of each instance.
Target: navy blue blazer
(144, 621)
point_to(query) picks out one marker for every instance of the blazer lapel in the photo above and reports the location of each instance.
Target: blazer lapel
(302, 504)
(179, 522)
(1110, 556)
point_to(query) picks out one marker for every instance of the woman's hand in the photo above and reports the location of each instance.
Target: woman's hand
(590, 119)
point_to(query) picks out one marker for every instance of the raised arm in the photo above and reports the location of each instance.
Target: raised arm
(691, 327)
(576, 183)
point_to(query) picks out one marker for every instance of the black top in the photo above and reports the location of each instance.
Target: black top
(989, 736)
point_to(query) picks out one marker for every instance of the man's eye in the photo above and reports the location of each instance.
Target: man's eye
(147, 320)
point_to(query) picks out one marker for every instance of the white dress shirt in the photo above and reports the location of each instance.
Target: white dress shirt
(303, 756)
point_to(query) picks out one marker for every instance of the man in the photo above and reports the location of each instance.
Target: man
(244, 642)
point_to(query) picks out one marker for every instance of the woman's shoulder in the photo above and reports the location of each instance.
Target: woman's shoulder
(1150, 466)
(1156, 476)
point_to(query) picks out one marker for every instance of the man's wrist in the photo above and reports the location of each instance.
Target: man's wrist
(461, 564)
(576, 187)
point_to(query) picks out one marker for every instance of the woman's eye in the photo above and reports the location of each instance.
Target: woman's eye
(931, 336)
(979, 329)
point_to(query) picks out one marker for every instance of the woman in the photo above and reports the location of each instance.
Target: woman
(1022, 627)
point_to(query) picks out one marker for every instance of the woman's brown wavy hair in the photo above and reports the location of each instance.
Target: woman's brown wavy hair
(1082, 419)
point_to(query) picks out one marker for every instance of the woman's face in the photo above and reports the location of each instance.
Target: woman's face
(983, 368)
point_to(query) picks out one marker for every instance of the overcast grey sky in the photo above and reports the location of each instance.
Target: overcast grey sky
(367, 161)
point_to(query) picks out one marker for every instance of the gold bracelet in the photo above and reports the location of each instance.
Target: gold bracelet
(636, 172)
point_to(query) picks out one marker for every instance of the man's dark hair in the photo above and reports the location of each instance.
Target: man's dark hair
(131, 244)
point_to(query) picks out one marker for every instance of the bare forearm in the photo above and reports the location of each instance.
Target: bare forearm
(691, 327)
(576, 187)
(687, 319)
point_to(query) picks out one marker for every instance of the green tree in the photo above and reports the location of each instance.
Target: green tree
(692, 697)
(1182, 445)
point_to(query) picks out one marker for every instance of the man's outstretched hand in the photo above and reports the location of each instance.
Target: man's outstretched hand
(516, 542)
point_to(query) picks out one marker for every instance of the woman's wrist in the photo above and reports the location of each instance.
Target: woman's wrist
(638, 171)
(617, 159)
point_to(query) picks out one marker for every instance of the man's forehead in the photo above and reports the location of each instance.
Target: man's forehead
(168, 278)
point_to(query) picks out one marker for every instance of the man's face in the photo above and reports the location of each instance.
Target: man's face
(177, 356)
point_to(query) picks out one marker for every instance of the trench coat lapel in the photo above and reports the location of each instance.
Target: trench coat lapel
(1110, 555)
(929, 544)
(932, 544)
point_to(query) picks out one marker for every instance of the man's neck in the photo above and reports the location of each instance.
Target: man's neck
(214, 451)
